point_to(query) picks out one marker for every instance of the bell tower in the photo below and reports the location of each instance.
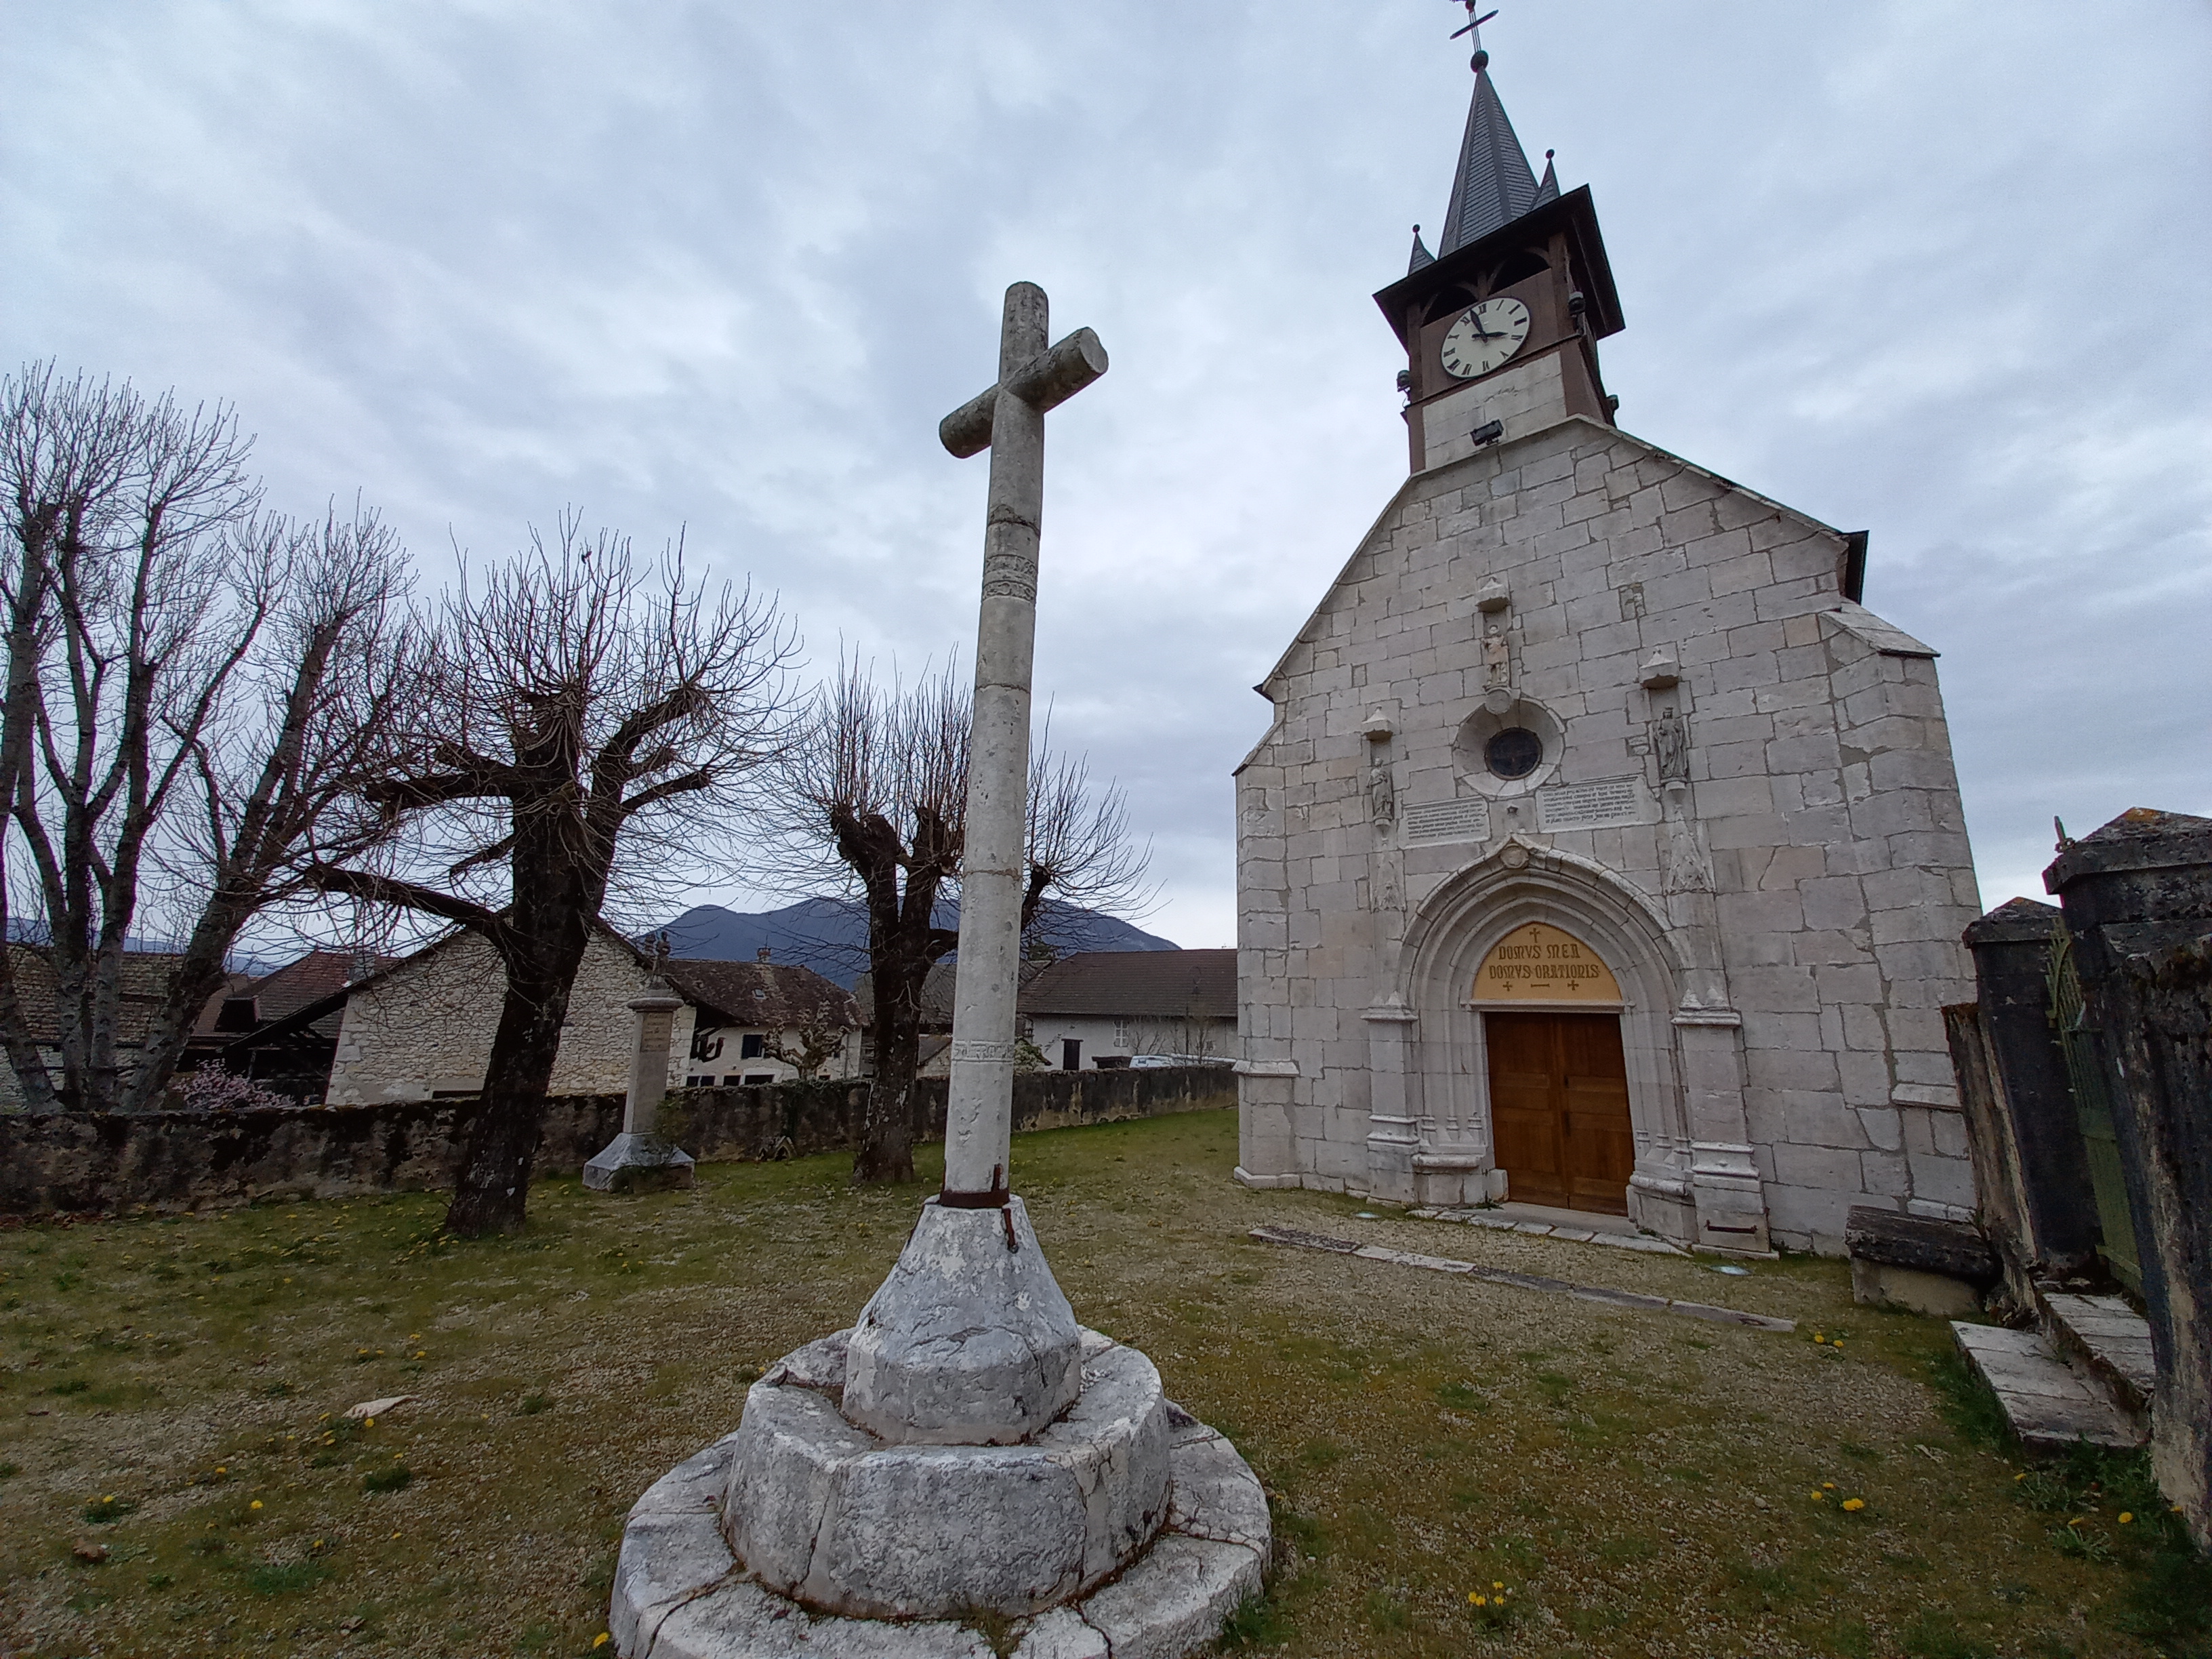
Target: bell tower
(1501, 324)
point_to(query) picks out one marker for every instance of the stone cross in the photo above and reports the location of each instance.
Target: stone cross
(1009, 420)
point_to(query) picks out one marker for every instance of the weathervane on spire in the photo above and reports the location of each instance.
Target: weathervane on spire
(1475, 30)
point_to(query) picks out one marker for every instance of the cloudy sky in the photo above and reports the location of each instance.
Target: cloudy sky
(1930, 268)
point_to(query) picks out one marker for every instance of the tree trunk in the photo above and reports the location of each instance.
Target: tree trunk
(886, 1149)
(491, 1185)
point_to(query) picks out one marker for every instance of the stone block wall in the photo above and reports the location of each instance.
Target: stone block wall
(71, 1162)
(424, 1029)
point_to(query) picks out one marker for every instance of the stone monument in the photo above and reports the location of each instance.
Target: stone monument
(639, 1159)
(965, 1454)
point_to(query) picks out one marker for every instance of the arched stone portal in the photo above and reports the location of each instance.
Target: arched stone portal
(1442, 1147)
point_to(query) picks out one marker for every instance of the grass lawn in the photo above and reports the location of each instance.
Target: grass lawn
(1638, 1483)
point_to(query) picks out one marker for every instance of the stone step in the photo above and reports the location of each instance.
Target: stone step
(2109, 1340)
(2049, 1404)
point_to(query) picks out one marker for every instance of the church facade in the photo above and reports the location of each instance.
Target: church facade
(1603, 852)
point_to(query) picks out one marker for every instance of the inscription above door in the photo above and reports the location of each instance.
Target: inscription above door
(1544, 964)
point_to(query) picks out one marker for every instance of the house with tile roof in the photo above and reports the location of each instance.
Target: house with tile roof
(1104, 1008)
(420, 1028)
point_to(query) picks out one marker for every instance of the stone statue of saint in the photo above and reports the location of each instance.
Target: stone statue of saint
(1670, 740)
(1381, 792)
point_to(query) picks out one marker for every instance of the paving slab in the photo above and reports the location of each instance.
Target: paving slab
(1300, 1239)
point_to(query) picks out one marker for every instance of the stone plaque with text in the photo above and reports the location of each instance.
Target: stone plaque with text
(1437, 821)
(1605, 803)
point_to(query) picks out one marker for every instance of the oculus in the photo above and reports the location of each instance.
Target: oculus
(1513, 753)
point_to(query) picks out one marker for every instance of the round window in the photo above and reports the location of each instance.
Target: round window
(1513, 753)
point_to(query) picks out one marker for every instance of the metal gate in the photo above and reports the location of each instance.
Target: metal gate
(2085, 1076)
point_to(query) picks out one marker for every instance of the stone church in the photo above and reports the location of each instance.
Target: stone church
(1603, 852)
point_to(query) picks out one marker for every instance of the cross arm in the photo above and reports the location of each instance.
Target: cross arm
(1046, 381)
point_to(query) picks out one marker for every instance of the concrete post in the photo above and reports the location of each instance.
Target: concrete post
(638, 1159)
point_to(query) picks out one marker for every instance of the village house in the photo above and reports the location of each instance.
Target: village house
(1105, 1008)
(421, 1028)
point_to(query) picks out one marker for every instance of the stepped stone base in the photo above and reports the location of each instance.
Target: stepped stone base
(640, 1163)
(681, 1592)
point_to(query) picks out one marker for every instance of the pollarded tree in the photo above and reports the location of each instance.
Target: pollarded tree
(587, 722)
(872, 795)
(195, 691)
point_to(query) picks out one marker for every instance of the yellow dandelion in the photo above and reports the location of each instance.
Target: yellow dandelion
(1819, 1496)
(318, 1543)
(255, 1505)
(1854, 1505)
(369, 1422)
(1837, 1344)
(222, 1469)
(1817, 1338)
(1827, 1486)
(1497, 1585)
(600, 1641)
(1479, 1600)
(395, 1537)
(2022, 1475)
(2126, 1516)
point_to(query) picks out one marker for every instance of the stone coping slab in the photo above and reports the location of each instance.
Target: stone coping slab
(1441, 1264)
(680, 1594)
(2050, 1405)
(2113, 1335)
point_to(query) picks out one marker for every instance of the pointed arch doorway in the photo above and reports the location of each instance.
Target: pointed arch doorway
(1559, 1079)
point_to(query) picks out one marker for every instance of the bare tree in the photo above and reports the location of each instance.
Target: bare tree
(820, 1036)
(872, 794)
(587, 720)
(192, 687)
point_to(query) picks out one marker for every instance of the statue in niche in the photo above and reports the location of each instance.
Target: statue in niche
(1670, 740)
(1382, 791)
(1497, 660)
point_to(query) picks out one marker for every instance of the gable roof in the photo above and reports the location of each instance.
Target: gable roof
(1496, 458)
(774, 995)
(1119, 984)
(283, 993)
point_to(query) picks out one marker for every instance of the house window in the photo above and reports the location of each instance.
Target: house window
(760, 1077)
(753, 1046)
(237, 1014)
(1071, 1054)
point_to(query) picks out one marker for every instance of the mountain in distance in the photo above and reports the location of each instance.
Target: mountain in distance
(831, 935)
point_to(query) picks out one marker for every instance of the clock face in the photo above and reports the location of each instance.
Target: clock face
(1485, 335)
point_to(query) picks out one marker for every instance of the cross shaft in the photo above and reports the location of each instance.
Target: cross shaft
(1009, 420)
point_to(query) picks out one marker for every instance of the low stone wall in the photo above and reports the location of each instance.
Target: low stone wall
(77, 1163)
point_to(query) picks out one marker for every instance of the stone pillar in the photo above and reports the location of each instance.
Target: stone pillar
(2029, 1166)
(1394, 1134)
(1724, 1181)
(638, 1159)
(2137, 895)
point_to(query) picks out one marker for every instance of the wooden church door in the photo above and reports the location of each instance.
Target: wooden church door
(1559, 1109)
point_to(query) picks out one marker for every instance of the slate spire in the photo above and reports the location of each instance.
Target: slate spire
(1421, 255)
(1494, 185)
